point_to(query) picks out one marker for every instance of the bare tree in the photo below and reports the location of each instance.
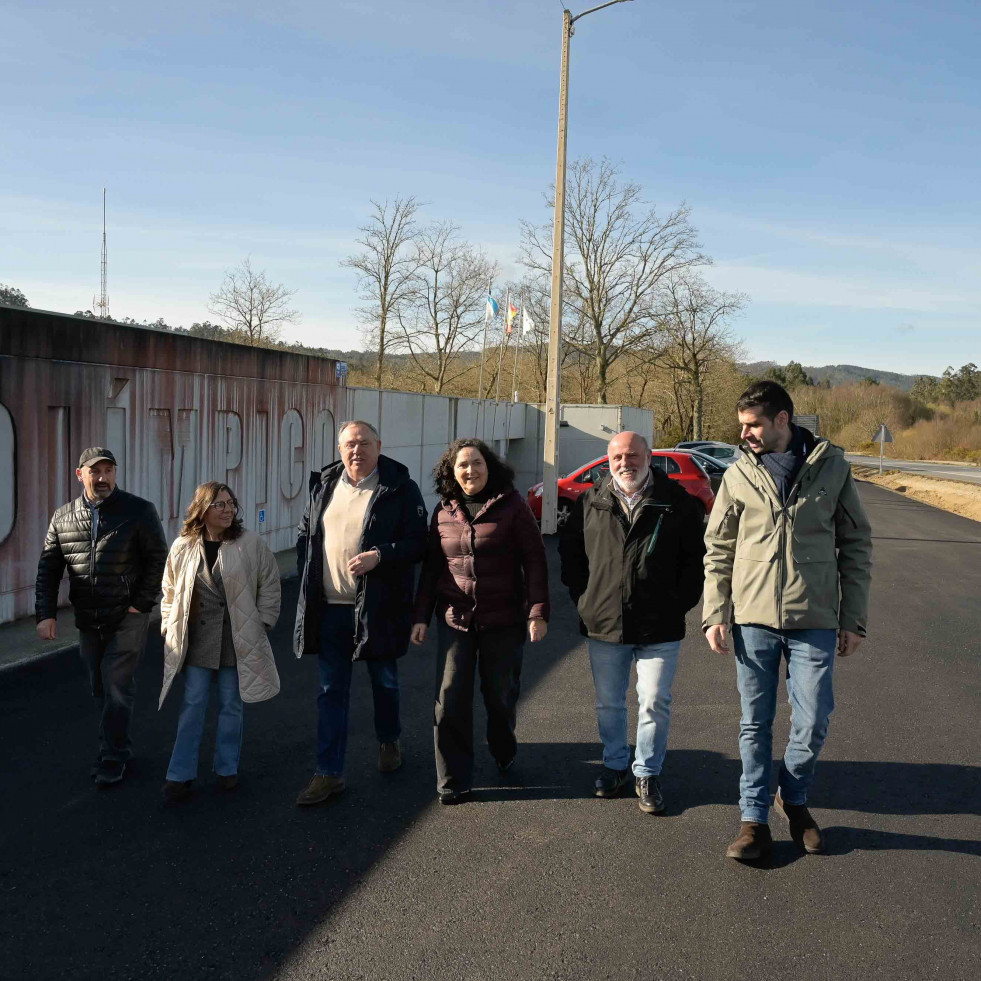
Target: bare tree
(443, 314)
(251, 306)
(386, 270)
(694, 317)
(617, 259)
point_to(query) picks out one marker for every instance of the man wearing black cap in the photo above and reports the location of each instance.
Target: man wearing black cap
(114, 547)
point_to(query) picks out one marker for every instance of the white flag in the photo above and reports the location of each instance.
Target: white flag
(527, 324)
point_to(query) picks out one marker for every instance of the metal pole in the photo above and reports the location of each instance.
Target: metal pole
(882, 448)
(500, 363)
(553, 387)
(514, 381)
(480, 380)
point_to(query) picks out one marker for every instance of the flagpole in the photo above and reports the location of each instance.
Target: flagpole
(514, 380)
(500, 361)
(483, 348)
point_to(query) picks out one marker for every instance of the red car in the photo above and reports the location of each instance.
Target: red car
(678, 465)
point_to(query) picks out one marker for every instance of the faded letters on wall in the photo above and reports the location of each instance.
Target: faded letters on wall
(174, 410)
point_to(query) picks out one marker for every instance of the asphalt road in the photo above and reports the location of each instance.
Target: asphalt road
(946, 471)
(534, 878)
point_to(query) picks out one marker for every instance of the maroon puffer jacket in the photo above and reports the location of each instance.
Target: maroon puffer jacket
(490, 572)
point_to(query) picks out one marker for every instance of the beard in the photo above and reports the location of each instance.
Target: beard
(630, 483)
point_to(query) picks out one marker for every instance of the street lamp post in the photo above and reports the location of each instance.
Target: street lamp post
(553, 388)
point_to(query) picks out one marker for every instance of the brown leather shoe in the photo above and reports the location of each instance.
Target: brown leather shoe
(319, 789)
(175, 791)
(389, 757)
(753, 843)
(803, 828)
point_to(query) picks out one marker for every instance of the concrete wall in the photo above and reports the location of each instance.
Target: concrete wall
(175, 411)
(584, 433)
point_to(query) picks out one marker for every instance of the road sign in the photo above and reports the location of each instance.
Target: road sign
(262, 516)
(883, 436)
(340, 369)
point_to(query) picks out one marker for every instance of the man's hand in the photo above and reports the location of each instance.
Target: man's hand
(848, 642)
(537, 630)
(133, 609)
(717, 636)
(362, 563)
(418, 635)
(48, 629)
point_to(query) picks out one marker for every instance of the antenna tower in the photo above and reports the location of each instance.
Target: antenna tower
(104, 297)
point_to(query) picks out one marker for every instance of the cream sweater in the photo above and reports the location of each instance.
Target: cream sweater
(343, 521)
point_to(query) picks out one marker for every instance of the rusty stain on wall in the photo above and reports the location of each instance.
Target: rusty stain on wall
(175, 410)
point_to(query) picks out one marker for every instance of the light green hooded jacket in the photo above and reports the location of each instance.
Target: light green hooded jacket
(805, 565)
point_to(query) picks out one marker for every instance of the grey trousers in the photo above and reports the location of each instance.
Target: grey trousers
(496, 656)
(111, 656)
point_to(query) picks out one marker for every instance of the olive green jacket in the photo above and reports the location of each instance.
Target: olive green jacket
(805, 565)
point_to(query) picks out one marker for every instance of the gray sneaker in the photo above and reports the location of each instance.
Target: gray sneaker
(648, 789)
(109, 772)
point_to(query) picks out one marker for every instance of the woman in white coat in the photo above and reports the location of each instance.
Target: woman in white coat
(221, 594)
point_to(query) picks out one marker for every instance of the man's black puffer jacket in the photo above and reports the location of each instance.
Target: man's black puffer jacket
(124, 569)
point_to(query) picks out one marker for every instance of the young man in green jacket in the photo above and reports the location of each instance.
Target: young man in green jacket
(788, 564)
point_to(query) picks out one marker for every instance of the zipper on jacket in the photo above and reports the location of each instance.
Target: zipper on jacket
(657, 529)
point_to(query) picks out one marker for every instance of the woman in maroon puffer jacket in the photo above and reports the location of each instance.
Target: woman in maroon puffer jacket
(485, 576)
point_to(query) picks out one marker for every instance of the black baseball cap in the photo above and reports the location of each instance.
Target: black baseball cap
(93, 455)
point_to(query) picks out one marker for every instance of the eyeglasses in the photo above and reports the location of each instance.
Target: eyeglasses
(221, 505)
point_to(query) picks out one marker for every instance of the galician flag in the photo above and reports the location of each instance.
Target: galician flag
(512, 313)
(490, 311)
(527, 324)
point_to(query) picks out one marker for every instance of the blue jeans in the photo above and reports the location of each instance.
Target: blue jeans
(190, 725)
(759, 652)
(333, 702)
(656, 665)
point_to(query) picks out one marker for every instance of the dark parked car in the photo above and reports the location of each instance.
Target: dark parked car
(677, 464)
(723, 452)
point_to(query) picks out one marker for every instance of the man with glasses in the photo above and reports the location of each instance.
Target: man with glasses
(363, 530)
(114, 548)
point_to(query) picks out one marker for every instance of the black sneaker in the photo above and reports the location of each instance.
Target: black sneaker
(648, 789)
(453, 796)
(611, 782)
(109, 772)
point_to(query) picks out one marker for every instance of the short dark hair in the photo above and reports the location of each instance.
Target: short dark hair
(500, 477)
(769, 397)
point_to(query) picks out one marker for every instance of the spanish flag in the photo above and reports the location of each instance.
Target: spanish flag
(512, 313)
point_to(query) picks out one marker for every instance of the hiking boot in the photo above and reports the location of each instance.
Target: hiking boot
(648, 789)
(803, 828)
(753, 843)
(610, 782)
(389, 757)
(319, 789)
(109, 772)
(453, 796)
(227, 782)
(175, 791)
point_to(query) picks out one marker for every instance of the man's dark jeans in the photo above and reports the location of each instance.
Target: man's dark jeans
(496, 655)
(111, 656)
(333, 702)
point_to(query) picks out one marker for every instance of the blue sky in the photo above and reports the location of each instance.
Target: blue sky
(829, 152)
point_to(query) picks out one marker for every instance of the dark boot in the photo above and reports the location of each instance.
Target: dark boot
(753, 842)
(611, 782)
(803, 828)
(648, 789)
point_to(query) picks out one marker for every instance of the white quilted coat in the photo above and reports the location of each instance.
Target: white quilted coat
(250, 576)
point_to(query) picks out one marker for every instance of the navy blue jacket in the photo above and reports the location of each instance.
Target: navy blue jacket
(395, 524)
